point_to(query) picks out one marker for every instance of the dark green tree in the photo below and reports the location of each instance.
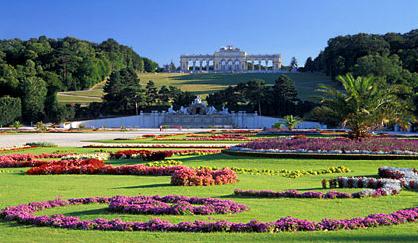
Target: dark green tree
(151, 93)
(284, 95)
(34, 92)
(124, 92)
(10, 110)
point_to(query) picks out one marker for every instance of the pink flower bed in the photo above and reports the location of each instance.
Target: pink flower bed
(173, 204)
(26, 160)
(25, 214)
(333, 145)
(203, 177)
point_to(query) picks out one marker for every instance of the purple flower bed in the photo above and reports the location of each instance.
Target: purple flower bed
(309, 194)
(332, 145)
(25, 214)
(179, 205)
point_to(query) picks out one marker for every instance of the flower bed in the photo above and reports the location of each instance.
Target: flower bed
(12, 148)
(80, 166)
(180, 175)
(284, 172)
(221, 137)
(148, 155)
(163, 163)
(24, 214)
(173, 204)
(132, 145)
(407, 176)
(311, 194)
(380, 146)
(145, 155)
(99, 156)
(203, 177)
(26, 160)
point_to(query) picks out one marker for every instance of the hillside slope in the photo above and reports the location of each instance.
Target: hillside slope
(205, 83)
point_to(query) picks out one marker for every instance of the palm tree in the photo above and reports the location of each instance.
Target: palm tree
(16, 125)
(291, 122)
(365, 104)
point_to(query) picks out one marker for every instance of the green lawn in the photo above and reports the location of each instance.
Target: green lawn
(16, 188)
(205, 83)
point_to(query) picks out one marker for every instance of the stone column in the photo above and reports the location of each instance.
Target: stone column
(194, 65)
(200, 65)
(252, 63)
(259, 65)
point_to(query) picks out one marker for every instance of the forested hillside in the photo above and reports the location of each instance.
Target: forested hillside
(33, 71)
(393, 55)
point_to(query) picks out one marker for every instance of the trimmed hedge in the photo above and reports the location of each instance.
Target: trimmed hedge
(324, 156)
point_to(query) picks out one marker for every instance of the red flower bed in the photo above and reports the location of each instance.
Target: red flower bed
(203, 177)
(86, 166)
(145, 155)
(181, 175)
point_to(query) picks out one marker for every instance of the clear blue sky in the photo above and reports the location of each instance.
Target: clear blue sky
(165, 29)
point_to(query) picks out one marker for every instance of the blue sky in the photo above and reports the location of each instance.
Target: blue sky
(165, 29)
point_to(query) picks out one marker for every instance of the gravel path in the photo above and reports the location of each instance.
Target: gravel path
(75, 139)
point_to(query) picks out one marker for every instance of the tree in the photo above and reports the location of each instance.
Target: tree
(183, 99)
(387, 67)
(284, 95)
(124, 92)
(10, 110)
(16, 125)
(309, 65)
(255, 91)
(151, 93)
(291, 122)
(164, 95)
(34, 92)
(293, 63)
(365, 104)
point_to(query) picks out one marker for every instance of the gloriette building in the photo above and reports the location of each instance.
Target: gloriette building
(230, 59)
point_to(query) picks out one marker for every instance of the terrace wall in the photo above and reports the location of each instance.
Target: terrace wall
(155, 119)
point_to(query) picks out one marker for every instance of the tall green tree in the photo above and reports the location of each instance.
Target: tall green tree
(124, 92)
(284, 95)
(10, 110)
(34, 92)
(151, 92)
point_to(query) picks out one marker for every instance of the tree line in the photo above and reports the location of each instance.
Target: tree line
(255, 95)
(33, 71)
(391, 59)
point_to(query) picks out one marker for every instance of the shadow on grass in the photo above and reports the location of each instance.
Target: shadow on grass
(145, 186)
(89, 212)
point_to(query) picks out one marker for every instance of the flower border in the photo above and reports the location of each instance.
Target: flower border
(24, 214)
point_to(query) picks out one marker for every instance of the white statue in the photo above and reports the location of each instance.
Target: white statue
(198, 100)
(211, 110)
(171, 110)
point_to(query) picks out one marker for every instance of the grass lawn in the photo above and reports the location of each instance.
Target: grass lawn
(205, 83)
(16, 188)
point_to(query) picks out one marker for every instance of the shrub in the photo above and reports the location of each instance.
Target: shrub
(41, 144)
(203, 177)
